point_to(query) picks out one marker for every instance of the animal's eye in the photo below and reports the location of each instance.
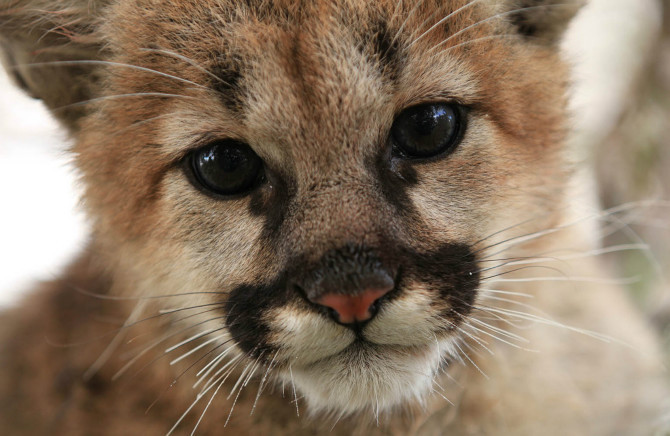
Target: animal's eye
(427, 130)
(226, 167)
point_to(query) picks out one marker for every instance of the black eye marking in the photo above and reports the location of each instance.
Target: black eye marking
(226, 167)
(428, 130)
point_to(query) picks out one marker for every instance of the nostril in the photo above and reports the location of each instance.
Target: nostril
(351, 309)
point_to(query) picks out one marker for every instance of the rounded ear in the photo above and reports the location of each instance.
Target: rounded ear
(542, 20)
(45, 46)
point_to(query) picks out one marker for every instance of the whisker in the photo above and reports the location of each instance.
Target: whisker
(470, 360)
(174, 322)
(493, 17)
(521, 268)
(199, 347)
(497, 338)
(516, 240)
(474, 41)
(482, 343)
(187, 60)
(224, 372)
(193, 404)
(143, 122)
(515, 294)
(596, 280)
(407, 19)
(435, 391)
(146, 297)
(154, 344)
(109, 350)
(176, 379)
(205, 370)
(251, 373)
(549, 322)
(112, 64)
(216, 391)
(192, 338)
(592, 253)
(240, 379)
(452, 14)
(513, 226)
(162, 312)
(262, 383)
(295, 393)
(119, 96)
(500, 331)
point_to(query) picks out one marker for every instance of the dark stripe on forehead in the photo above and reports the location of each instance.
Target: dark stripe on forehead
(379, 43)
(387, 48)
(228, 81)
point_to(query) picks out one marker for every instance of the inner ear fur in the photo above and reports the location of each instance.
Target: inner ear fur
(543, 21)
(40, 44)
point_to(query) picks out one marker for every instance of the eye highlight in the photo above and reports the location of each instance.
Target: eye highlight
(428, 130)
(226, 167)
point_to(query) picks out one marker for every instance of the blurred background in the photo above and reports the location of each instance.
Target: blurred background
(620, 50)
(622, 99)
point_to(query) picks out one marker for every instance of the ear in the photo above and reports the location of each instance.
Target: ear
(42, 46)
(542, 20)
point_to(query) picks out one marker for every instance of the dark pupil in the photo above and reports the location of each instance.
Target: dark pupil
(228, 167)
(426, 130)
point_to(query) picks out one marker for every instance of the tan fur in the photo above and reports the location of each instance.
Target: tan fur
(316, 106)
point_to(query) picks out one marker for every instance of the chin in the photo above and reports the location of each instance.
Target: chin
(368, 379)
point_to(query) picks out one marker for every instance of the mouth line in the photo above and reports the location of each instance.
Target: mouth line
(360, 344)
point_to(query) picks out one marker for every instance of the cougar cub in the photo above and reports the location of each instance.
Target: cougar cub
(318, 216)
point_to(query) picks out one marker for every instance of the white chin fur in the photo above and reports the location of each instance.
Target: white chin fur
(368, 378)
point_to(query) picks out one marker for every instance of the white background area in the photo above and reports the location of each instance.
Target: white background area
(41, 230)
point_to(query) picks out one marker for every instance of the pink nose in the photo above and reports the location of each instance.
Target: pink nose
(353, 308)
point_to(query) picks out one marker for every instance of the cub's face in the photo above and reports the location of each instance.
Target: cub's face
(323, 179)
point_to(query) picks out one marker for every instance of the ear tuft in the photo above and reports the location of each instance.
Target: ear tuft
(542, 20)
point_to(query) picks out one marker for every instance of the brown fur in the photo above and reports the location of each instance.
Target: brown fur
(306, 90)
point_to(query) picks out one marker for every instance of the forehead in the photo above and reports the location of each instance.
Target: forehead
(314, 41)
(291, 71)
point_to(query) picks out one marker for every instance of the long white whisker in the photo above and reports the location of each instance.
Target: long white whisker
(596, 280)
(227, 367)
(499, 15)
(187, 60)
(240, 379)
(295, 393)
(192, 338)
(468, 5)
(470, 360)
(199, 347)
(503, 332)
(474, 41)
(118, 96)
(516, 240)
(261, 385)
(251, 373)
(497, 338)
(216, 391)
(591, 253)
(404, 23)
(116, 64)
(109, 350)
(197, 399)
(482, 343)
(515, 294)
(549, 322)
